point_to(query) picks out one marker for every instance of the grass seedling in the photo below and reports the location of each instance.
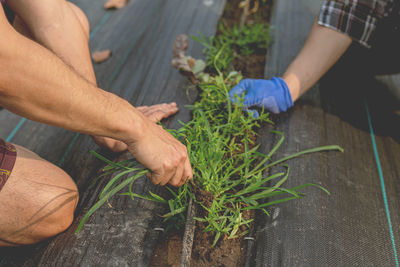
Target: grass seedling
(126, 173)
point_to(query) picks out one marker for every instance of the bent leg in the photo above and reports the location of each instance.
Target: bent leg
(63, 28)
(38, 201)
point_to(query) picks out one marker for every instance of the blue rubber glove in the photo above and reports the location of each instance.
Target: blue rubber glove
(273, 95)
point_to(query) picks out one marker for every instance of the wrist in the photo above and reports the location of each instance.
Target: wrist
(293, 85)
(131, 125)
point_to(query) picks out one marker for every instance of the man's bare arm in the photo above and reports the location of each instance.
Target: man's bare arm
(38, 85)
(321, 51)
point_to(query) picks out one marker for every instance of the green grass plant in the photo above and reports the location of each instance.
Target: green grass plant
(233, 42)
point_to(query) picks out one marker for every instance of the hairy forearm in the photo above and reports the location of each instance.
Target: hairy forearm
(321, 51)
(38, 85)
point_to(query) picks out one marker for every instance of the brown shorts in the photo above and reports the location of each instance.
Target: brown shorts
(8, 155)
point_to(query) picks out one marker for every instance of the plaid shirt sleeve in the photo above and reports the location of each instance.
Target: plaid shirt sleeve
(356, 18)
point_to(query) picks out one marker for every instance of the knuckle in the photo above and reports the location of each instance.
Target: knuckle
(180, 157)
(167, 165)
(155, 181)
(177, 161)
(183, 150)
(174, 183)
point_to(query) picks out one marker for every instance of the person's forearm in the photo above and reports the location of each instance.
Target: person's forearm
(38, 85)
(321, 51)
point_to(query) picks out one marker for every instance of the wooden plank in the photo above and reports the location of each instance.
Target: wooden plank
(348, 228)
(124, 234)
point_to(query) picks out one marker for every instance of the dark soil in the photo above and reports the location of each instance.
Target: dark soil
(168, 252)
(232, 13)
(227, 252)
(252, 66)
(206, 198)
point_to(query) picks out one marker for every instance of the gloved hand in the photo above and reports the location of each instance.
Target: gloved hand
(273, 95)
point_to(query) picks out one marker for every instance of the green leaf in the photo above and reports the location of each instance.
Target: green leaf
(113, 182)
(114, 164)
(257, 185)
(270, 203)
(107, 196)
(152, 197)
(174, 212)
(199, 66)
(308, 151)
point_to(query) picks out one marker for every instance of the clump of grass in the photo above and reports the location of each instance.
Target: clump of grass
(226, 163)
(234, 42)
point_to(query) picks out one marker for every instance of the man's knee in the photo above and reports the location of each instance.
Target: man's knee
(52, 213)
(39, 200)
(81, 17)
(55, 213)
(43, 14)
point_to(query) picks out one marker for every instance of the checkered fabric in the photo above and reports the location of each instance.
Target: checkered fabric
(356, 18)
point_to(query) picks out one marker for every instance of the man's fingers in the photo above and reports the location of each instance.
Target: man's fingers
(163, 106)
(187, 174)
(153, 178)
(142, 108)
(167, 176)
(157, 178)
(165, 156)
(176, 179)
(155, 113)
(159, 115)
(113, 145)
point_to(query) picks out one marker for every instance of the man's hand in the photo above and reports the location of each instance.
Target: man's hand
(154, 113)
(165, 156)
(273, 95)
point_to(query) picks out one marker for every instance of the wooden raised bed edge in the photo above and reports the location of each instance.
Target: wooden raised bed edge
(188, 236)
